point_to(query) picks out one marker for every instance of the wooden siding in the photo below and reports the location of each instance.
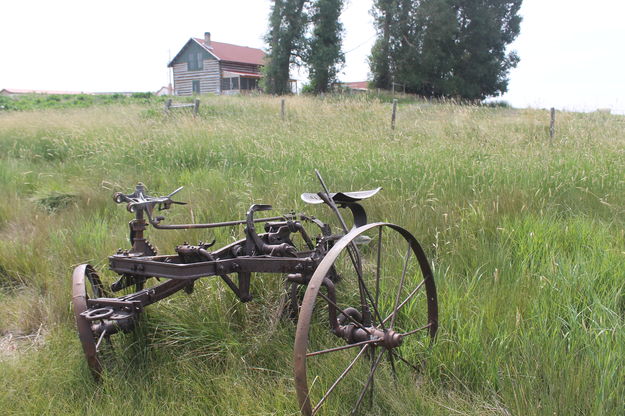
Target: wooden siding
(190, 48)
(209, 78)
(240, 67)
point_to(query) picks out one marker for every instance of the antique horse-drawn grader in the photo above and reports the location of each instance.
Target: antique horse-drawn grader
(363, 295)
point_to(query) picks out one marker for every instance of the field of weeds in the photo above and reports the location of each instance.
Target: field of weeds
(526, 238)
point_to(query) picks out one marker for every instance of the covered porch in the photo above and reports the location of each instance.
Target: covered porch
(239, 82)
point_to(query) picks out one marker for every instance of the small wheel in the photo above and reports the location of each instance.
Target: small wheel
(86, 284)
(383, 315)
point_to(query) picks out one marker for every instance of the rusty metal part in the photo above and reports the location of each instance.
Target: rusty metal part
(256, 245)
(85, 275)
(351, 333)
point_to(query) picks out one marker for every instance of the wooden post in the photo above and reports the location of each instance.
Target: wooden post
(552, 124)
(394, 114)
(167, 105)
(196, 106)
(282, 111)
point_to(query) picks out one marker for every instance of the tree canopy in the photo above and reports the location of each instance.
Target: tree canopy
(287, 25)
(324, 52)
(291, 40)
(445, 48)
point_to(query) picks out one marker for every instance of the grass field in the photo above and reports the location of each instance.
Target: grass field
(526, 239)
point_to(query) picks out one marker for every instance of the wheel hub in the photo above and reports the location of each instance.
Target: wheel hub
(385, 337)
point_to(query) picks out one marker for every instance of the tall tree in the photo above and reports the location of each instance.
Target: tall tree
(287, 24)
(446, 47)
(379, 61)
(324, 55)
(486, 28)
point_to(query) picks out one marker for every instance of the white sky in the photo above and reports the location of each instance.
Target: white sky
(571, 50)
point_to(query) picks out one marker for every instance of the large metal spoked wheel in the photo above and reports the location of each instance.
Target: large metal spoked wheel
(383, 316)
(86, 284)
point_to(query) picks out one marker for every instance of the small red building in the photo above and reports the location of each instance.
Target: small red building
(204, 66)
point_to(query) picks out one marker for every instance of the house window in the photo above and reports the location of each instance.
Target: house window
(195, 62)
(249, 83)
(229, 83)
(225, 84)
(195, 86)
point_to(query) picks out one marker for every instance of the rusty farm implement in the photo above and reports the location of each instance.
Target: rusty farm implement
(362, 293)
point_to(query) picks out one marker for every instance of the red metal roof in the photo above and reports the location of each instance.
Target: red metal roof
(364, 85)
(234, 53)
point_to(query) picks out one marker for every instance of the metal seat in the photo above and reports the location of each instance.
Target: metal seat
(340, 197)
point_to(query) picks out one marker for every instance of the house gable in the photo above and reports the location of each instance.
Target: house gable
(190, 54)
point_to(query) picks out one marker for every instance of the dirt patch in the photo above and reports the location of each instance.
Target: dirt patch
(13, 345)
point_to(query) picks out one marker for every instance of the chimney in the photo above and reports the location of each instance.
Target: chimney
(207, 38)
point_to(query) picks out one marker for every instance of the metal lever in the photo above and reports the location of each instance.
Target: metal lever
(253, 241)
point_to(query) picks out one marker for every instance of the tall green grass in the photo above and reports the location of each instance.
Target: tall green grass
(525, 236)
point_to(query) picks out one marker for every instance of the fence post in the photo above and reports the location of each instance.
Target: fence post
(282, 111)
(393, 116)
(196, 106)
(552, 124)
(167, 105)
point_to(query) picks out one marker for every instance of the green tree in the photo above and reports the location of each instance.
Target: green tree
(485, 29)
(380, 59)
(324, 52)
(287, 24)
(444, 48)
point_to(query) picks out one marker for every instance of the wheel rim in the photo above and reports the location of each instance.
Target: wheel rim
(86, 284)
(399, 291)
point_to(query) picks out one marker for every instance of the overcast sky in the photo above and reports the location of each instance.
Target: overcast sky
(571, 50)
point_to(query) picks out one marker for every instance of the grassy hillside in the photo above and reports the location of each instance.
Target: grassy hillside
(526, 239)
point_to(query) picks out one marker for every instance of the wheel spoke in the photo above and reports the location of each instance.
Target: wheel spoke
(97, 345)
(416, 289)
(369, 380)
(405, 334)
(402, 359)
(361, 282)
(343, 347)
(372, 388)
(377, 270)
(341, 377)
(401, 285)
(392, 360)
